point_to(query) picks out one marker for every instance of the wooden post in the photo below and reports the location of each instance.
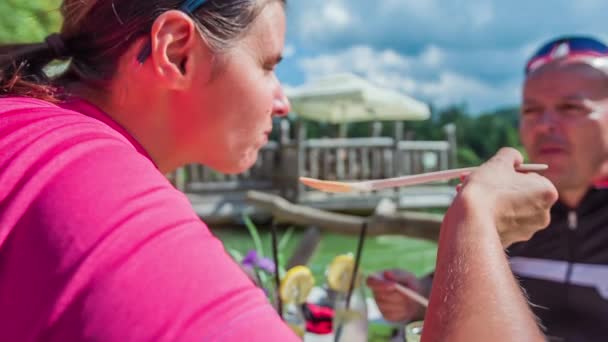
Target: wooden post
(327, 169)
(444, 159)
(450, 131)
(376, 129)
(343, 130)
(376, 167)
(281, 159)
(285, 128)
(340, 161)
(365, 166)
(352, 163)
(397, 156)
(300, 159)
(313, 160)
(398, 135)
(406, 160)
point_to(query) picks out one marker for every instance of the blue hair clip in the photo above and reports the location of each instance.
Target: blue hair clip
(189, 6)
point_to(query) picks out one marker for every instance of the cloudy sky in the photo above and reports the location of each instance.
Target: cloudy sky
(441, 51)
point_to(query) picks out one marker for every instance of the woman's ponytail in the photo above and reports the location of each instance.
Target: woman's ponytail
(22, 68)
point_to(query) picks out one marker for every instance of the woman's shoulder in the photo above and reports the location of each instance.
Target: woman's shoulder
(28, 120)
(23, 108)
(20, 112)
(10, 103)
(35, 134)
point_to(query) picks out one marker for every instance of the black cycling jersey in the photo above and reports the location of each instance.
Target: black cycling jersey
(564, 270)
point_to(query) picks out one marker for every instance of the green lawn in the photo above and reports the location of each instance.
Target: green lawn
(379, 253)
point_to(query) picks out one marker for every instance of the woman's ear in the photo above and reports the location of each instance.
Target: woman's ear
(174, 43)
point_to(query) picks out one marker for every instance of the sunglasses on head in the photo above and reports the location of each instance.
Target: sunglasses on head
(566, 47)
(189, 6)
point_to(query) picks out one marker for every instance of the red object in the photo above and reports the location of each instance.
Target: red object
(319, 319)
(602, 184)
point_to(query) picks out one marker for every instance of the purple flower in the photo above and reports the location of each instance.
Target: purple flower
(253, 260)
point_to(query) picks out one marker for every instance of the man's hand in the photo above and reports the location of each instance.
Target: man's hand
(394, 305)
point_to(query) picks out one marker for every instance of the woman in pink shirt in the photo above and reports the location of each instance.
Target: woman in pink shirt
(95, 243)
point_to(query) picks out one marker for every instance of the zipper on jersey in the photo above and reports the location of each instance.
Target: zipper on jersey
(572, 226)
(572, 220)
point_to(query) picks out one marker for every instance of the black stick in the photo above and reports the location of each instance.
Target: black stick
(353, 278)
(275, 257)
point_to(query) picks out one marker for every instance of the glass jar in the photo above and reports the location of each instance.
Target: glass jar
(413, 331)
(294, 317)
(350, 324)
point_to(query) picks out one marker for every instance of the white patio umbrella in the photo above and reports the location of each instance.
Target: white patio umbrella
(345, 98)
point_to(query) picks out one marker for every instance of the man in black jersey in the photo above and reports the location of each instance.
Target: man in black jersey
(563, 268)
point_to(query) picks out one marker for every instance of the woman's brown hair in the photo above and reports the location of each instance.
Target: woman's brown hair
(95, 33)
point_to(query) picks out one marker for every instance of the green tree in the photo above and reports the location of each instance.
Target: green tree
(28, 20)
(478, 137)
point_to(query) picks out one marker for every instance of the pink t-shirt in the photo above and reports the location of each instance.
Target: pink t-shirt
(95, 243)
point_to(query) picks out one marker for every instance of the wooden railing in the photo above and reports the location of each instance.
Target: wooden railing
(365, 159)
(372, 158)
(279, 165)
(199, 179)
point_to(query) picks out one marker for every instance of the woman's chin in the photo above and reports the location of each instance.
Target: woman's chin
(247, 163)
(237, 163)
(242, 164)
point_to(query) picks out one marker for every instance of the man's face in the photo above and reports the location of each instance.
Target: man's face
(564, 122)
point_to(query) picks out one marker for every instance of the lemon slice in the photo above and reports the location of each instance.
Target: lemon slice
(296, 285)
(340, 272)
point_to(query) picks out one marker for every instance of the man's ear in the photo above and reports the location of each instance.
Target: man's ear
(174, 38)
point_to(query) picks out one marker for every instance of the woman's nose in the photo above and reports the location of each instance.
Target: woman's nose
(280, 106)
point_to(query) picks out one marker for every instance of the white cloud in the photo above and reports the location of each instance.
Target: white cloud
(482, 14)
(452, 88)
(432, 56)
(421, 76)
(425, 8)
(360, 59)
(336, 13)
(319, 19)
(289, 51)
